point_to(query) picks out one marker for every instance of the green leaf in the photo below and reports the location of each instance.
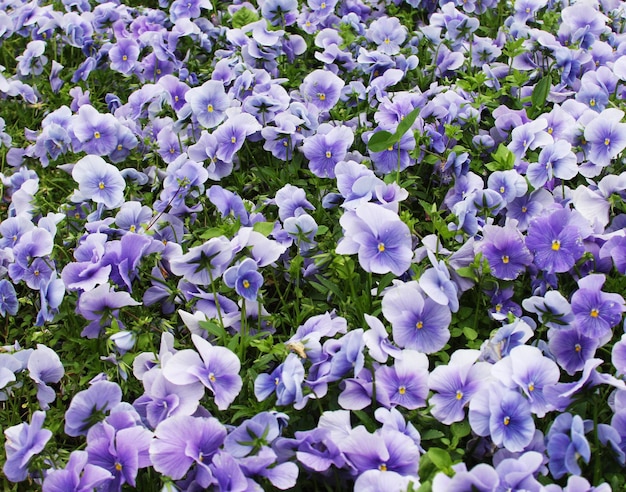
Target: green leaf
(470, 333)
(243, 17)
(406, 123)
(212, 232)
(541, 91)
(441, 459)
(430, 434)
(264, 228)
(381, 140)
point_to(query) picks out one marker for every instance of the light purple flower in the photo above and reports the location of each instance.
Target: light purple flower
(417, 322)
(90, 405)
(208, 103)
(326, 148)
(405, 383)
(381, 239)
(180, 442)
(322, 89)
(504, 249)
(245, 279)
(217, 368)
(100, 306)
(77, 476)
(201, 265)
(95, 133)
(23, 442)
(99, 181)
(44, 366)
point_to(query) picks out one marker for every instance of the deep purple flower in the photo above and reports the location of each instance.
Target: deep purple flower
(417, 322)
(77, 476)
(322, 89)
(380, 238)
(23, 442)
(180, 442)
(215, 367)
(90, 405)
(555, 242)
(208, 103)
(203, 264)
(98, 181)
(504, 249)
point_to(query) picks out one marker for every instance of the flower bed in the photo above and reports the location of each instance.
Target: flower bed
(313, 245)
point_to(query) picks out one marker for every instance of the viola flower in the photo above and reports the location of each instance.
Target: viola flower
(405, 383)
(232, 134)
(217, 368)
(504, 249)
(99, 306)
(326, 148)
(387, 33)
(119, 446)
(572, 349)
(322, 89)
(182, 441)
(8, 298)
(566, 443)
(77, 476)
(201, 265)
(286, 380)
(606, 136)
(417, 322)
(44, 366)
(596, 312)
(98, 181)
(455, 384)
(291, 202)
(555, 161)
(378, 235)
(280, 12)
(555, 243)
(23, 442)
(90, 406)
(124, 56)
(396, 157)
(245, 279)
(95, 133)
(208, 103)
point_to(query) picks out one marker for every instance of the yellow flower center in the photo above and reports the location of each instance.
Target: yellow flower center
(607, 141)
(209, 108)
(382, 467)
(550, 130)
(594, 313)
(118, 466)
(96, 134)
(502, 189)
(402, 390)
(36, 273)
(329, 154)
(419, 325)
(132, 228)
(556, 245)
(381, 247)
(459, 395)
(498, 308)
(124, 58)
(101, 185)
(507, 420)
(577, 347)
(322, 96)
(212, 377)
(531, 387)
(387, 41)
(246, 284)
(524, 209)
(233, 140)
(592, 102)
(505, 259)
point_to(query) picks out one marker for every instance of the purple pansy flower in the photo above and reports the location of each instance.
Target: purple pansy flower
(381, 239)
(98, 181)
(504, 249)
(208, 103)
(322, 89)
(44, 366)
(95, 133)
(90, 405)
(596, 312)
(23, 442)
(245, 279)
(201, 265)
(215, 367)
(77, 476)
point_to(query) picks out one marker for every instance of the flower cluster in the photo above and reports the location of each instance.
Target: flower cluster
(276, 244)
